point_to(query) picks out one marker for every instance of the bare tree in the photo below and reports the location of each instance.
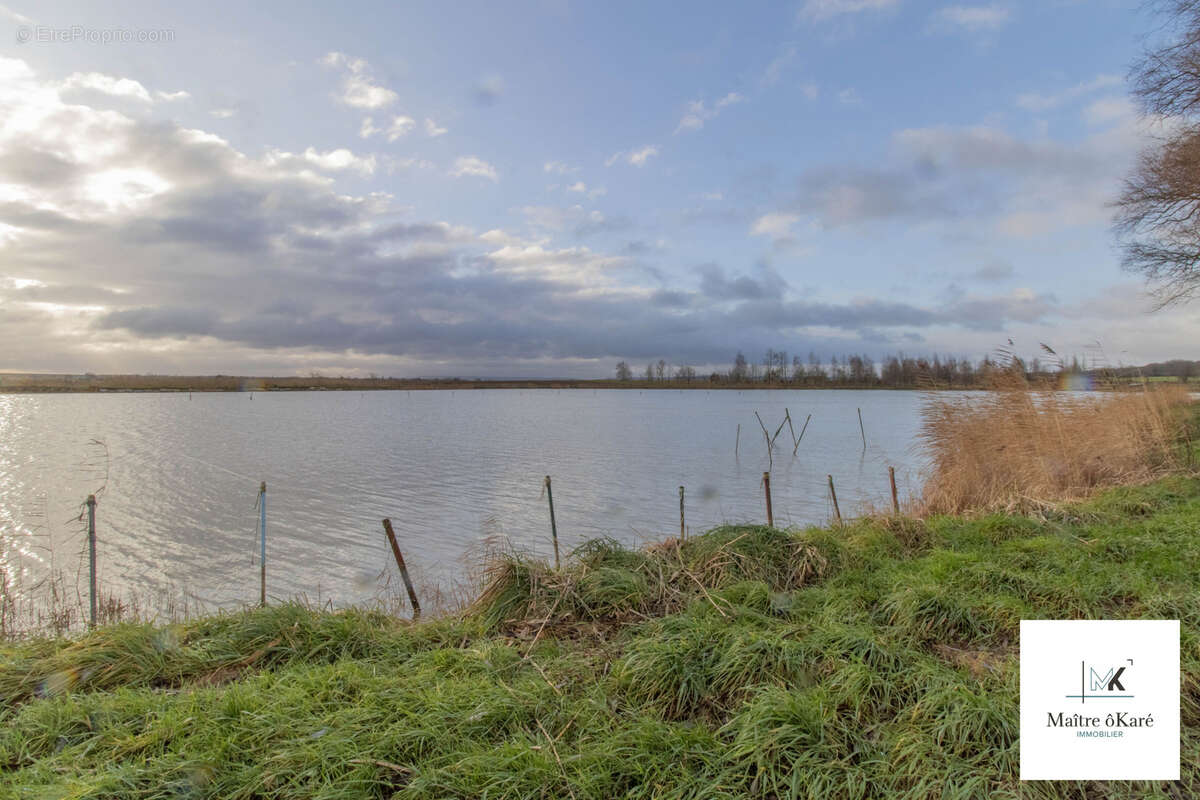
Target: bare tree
(1158, 213)
(624, 373)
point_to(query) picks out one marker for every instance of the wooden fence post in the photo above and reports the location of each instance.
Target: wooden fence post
(91, 531)
(412, 594)
(682, 529)
(895, 497)
(837, 512)
(553, 524)
(262, 542)
(767, 491)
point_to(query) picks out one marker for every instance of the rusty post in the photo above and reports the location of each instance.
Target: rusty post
(767, 491)
(91, 531)
(895, 498)
(412, 593)
(837, 512)
(553, 524)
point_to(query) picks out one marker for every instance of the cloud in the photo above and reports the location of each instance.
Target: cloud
(774, 70)
(698, 113)
(849, 97)
(777, 225)
(1109, 109)
(574, 219)
(1036, 101)
(399, 127)
(359, 88)
(826, 9)
(223, 113)
(973, 19)
(124, 235)
(489, 89)
(99, 82)
(976, 177)
(995, 271)
(14, 16)
(473, 166)
(559, 168)
(432, 129)
(637, 158)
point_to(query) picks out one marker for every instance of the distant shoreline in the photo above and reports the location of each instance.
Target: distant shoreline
(14, 383)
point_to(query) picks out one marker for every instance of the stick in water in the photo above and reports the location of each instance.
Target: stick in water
(788, 416)
(91, 530)
(860, 429)
(767, 491)
(895, 498)
(412, 594)
(802, 430)
(682, 529)
(837, 512)
(737, 441)
(553, 524)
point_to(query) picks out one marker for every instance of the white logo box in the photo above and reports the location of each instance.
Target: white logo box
(1099, 700)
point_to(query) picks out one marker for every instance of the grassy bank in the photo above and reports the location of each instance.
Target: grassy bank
(873, 660)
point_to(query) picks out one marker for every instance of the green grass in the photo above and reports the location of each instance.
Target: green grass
(874, 660)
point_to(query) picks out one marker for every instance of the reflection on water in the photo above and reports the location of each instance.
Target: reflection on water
(451, 469)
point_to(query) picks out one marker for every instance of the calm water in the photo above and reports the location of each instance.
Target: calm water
(180, 477)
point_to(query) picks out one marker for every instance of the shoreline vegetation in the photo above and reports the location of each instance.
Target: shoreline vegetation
(875, 658)
(856, 374)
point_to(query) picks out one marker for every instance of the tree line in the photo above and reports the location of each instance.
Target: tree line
(898, 371)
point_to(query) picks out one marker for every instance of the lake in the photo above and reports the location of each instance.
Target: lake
(452, 469)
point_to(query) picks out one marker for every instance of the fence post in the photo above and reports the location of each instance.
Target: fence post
(553, 524)
(767, 490)
(862, 430)
(412, 594)
(837, 512)
(895, 498)
(91, 529)
(262, 544)
(682, 529)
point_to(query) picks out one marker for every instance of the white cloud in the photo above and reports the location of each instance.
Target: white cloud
(368, 129)
(359, 89)
(1036, 101)
(774, 70)
(974, 18)
(810, 90)
(399, 127)
(333, 160)
(637, 158)
(827, 9)
(172, 96)
(578, 186)
(473, 166)
(1109, 109)
(777, 225)
(698, 113)
(222, 113)
(558, 168)
(432, 129)
(99, 82)
(14, 16)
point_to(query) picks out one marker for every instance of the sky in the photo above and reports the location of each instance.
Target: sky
(546, 188)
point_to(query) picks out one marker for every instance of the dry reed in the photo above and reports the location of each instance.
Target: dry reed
(1017, 447)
